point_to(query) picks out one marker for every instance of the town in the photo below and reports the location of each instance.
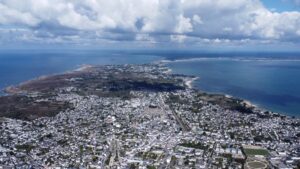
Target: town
(139, 116)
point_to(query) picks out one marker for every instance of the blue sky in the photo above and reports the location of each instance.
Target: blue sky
(272, 25)
(282, 5)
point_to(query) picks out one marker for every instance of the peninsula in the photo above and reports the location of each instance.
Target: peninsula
(138, 116)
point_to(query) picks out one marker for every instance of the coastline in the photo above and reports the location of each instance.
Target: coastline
(245, 101)
(13, 89)
(248, 104)
(2, 92)
(227, 59)
(83, 67)
(142, 99)
(188, 82)
(266, 99)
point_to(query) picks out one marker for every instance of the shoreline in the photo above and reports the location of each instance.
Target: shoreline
(13, 89)
(247, 102)
(129, 101)
(165, 61)
(83, 67)
(190, 81)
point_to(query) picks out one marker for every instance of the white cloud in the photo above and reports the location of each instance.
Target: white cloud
(274, 25)
(197, 19)
(145, 37)
(178, 38)
(149, 20)
(183, 25)
(9, 16)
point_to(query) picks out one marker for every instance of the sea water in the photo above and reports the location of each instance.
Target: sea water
(270, 81)
(273, 84)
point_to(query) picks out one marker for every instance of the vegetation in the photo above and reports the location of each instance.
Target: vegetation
(226, 102)
(253, 152)
(108, 159)
(28, 108)
(150, 155)
(101, 81)
(195, 145)
(95, 158)
(133, 166)
(176, 99)
(24, 147)
(151, 167)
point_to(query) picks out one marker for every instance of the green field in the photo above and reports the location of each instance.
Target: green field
(250, 152)
(195, 145)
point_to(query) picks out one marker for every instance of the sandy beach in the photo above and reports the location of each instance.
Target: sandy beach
(189, 82)
(83, 67)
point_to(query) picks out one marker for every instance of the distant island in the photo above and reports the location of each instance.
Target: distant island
(138, 116)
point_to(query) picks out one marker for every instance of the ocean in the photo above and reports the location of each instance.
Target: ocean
(270, 84)
(269, 80)
(19, 66)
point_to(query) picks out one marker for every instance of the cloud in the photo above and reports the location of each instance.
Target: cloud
(11, 16)
(197, 19)
(148, 21)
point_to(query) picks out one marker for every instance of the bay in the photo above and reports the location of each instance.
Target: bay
(271, 81)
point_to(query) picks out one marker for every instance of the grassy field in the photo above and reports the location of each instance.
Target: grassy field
(195, 145)
(256, 152)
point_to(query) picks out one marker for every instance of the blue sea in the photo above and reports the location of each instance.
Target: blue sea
(19, 66)
(269, 80)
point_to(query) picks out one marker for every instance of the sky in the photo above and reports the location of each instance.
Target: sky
(282, 5)
(272, 25)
